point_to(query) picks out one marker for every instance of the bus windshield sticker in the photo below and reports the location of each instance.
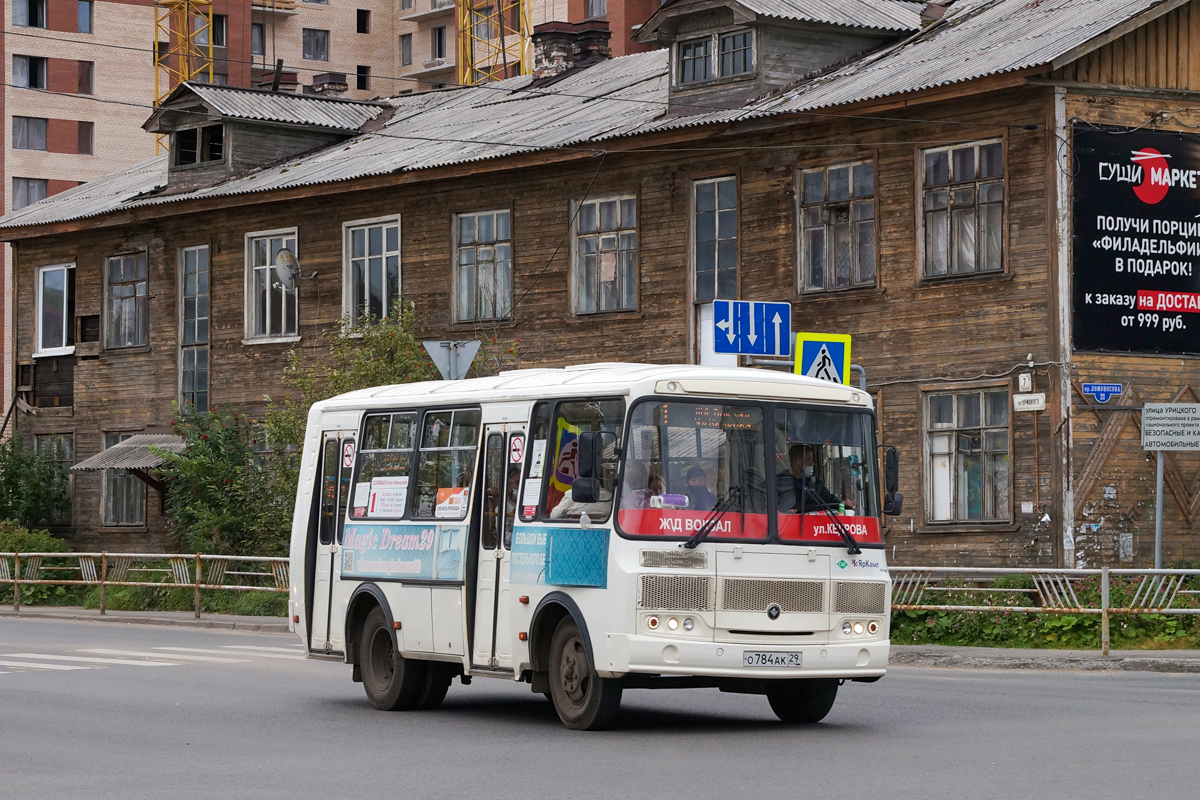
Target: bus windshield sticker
(388, 495)
(362, 492)
(529, 500)
(539, 458)
(451, 503)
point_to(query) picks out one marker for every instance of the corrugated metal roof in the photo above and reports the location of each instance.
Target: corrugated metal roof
(281, 107)
(879, 14)
(133, 453)
(975, 39)
(617, 98)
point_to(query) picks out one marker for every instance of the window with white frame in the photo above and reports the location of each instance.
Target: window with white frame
(483, 280)
(126, 292)
(123, 494)
(606, 255)
(56, 309)
(969, 453)
(715, 243)
(963, 206)
(272, 302)
(837, 227)
(372, 269)
(60, 449)
(193, 334)
(695, 62)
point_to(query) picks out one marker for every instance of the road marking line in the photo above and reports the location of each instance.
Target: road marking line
(226, 652)
(39, 666)
(95, 660)
(104, 652)
(287, 650)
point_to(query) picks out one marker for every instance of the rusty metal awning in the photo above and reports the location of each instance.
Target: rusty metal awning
(134, 453)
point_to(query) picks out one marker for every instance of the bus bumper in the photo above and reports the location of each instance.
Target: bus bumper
(662, 656)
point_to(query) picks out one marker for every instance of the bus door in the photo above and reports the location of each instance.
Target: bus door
(503, 454)
(337, 463)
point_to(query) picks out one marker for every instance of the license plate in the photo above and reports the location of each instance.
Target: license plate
(759, 658)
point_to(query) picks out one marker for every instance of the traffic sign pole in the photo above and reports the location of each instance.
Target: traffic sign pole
(1158, 482)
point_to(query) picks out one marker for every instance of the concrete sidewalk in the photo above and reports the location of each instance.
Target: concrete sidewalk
(184, 619)
(1015, 658)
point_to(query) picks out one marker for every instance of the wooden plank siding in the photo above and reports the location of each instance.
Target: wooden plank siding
(1158, 54)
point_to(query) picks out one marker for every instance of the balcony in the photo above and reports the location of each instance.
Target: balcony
(282, 8)
(437, 8)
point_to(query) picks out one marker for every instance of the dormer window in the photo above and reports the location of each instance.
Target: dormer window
(695, 57)
(199, 145)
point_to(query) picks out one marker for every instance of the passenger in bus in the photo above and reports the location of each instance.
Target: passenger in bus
(808, 491)
(700, 497)
(567, 508)
(640, 485)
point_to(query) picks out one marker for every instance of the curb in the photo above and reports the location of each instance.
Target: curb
(204, 622)
(1096, 664)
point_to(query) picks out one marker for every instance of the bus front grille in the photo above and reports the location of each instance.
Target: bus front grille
(754, 594)
(859, 597)
(675, 592)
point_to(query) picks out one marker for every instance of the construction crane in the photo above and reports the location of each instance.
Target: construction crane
(183, 46)
(493, 40)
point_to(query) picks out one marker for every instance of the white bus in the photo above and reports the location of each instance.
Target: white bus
(593, 529)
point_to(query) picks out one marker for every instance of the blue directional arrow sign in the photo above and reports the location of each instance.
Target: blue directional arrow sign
(752, 329)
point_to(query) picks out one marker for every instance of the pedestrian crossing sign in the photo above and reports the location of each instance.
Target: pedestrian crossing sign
(825, 356)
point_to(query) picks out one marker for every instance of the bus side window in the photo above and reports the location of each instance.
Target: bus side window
(535, 460)
(330, 473)
(571, 419)
(345, 473)
(446, 463)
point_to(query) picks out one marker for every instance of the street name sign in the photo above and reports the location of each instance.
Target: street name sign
(1171, 426)
(825, 356)
(752, 329)
(1029, 402)
(1103, 392)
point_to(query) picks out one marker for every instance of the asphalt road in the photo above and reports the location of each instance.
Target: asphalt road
(257, 722)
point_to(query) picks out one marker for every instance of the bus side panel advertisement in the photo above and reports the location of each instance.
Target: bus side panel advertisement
(418, 552)
(560, 556)
(1136, 264)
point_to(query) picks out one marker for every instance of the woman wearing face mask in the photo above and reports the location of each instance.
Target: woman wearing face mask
(810, 490)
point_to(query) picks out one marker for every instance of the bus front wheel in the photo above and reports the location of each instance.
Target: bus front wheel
(584, 701)
(803, 700)
(392, 682)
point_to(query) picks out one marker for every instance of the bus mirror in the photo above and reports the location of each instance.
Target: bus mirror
(585, 490)
(891, 470)
(893, 503)
(591, 453)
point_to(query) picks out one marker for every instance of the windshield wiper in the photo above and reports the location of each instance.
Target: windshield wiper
(736, 492)
(851, 542)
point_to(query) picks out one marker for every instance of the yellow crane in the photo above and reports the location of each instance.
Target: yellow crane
(183, 46)
(493, 40)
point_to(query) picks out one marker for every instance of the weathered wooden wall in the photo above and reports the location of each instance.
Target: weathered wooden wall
(1161, 54)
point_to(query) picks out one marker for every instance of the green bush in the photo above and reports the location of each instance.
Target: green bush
(17, 539)
(33, 487)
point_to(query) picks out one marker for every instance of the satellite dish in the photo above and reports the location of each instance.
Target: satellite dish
(287, 267)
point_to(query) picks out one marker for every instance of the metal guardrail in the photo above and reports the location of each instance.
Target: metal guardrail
(1144, 591)
(197, 571)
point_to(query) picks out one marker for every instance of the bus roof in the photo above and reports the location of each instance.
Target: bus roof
(593, 380)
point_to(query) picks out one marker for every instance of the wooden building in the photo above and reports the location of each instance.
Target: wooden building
(913, 182)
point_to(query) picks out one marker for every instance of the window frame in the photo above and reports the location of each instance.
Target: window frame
(716, 73)
(575, 280)
(304, 50)
(42, 75)
(91, 16)
(200, 161)
(45, 148)
(362, 20)
(413, 462)
(261, 30)
(927, 431)
(68, 318)
(41, 21)
(693, 233)
(406, 58)
(362, 77)
(42, 182)
(456, 287)
(348, 229)
(595, 9)
(802, 286)
(248, 287)
(68, 518)
(923, 275)
(181, 344)
(86, 83)
(106, 318)
(104, 487)
(548, 460)
(437, 42)
(420, 448)
(85, 138)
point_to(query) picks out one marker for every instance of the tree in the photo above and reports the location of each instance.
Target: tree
(378, 352)
(33, 487)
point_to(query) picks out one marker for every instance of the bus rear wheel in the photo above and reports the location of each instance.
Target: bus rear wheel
(584, 701)
(804, 700)
(392, 682)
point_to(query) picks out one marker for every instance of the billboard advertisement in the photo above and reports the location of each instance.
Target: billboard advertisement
(1136, 237)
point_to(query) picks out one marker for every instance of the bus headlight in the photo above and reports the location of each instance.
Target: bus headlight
(673, 623)
(858, 628)
(652, 623)
(846, 629)
(688, 624)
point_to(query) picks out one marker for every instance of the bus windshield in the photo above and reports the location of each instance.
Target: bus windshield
(688, 462)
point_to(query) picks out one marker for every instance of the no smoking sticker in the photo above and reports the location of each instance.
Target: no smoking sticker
(516, 450)
(348, 454)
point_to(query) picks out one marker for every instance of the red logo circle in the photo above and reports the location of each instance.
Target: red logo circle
(1155, 175)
